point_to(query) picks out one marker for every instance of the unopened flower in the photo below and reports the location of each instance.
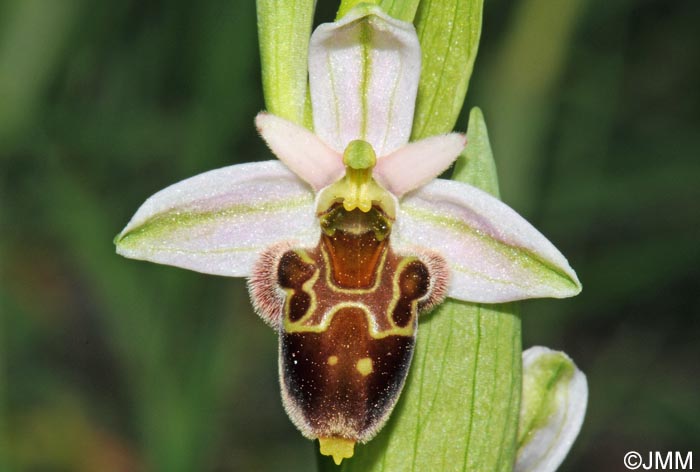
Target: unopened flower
(552, 408)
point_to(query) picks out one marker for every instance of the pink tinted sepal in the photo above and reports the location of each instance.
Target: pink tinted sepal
(494, 254)
(363, 77)
(218, 222)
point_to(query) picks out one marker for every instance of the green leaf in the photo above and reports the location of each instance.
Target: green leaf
(284, 29)
(476, 165)
(449, 32)
(404, 10)
(347, 5)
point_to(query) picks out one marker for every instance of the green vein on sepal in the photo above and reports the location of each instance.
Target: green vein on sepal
(176, 220)
(366, 42)
(545, 272)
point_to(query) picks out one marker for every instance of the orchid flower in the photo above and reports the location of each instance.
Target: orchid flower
(553, 404)
(349, 235)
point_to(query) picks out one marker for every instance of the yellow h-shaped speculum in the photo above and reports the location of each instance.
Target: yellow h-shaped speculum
(357, 189)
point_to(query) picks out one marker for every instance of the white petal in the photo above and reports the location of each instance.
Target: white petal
(555, 395)
(219, 221)
(416, 164)
(363, 76)
(494, 254)
(301, 150)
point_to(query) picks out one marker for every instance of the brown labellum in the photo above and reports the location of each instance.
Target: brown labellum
(347, 314)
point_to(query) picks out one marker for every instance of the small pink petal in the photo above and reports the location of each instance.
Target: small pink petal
(416, 164)
(301, 150)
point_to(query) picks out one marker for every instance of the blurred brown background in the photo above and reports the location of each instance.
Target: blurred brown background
(116, 365)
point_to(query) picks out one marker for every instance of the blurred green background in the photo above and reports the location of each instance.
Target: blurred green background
(108, 364)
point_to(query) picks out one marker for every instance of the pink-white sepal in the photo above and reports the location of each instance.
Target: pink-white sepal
(218, 222)
(494, 254)
(363, 77)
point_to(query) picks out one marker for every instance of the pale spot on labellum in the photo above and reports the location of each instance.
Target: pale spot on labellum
(332, 360)
(364, 366)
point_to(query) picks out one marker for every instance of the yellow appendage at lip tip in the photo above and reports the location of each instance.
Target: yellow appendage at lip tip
(338, 448)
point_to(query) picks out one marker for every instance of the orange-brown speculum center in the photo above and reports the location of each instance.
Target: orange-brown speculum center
(355, 242)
